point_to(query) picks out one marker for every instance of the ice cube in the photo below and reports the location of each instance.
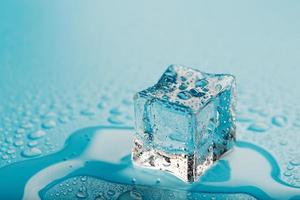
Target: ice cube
(185, 122)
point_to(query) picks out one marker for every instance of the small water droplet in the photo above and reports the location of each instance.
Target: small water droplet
(114, 120)
(18, 143)
(5, 157)
(10, 151)
(132, 195)
(101, 105)
(295, 161)
(201, 83)
(82, 193)
(87, 112)
(115, 111)
(279, 120)
(49, 124)
(63, 119)
(111, 192)
(218, 87)
(27, 125)
(195, 93)
(287, 173)
(184, 95)
(133, 180)
(32, 143)
(32, 152)
(258, 127)
(83, 179)
(20, 131)
(290, 167)
(183, 86)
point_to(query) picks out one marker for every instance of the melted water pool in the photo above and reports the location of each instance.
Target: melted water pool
(103, 154)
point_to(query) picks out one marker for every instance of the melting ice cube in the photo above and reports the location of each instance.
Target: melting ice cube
(185, 122)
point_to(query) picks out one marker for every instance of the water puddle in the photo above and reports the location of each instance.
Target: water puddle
(104, 154)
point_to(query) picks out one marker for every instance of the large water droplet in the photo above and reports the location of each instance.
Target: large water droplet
(37, 134)
(32, 152)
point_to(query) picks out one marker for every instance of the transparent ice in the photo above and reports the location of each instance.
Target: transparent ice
(185, 122)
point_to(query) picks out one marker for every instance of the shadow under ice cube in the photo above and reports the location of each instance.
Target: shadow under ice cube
(185, 122)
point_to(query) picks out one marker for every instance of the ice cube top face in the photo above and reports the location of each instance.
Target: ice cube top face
(189, 114)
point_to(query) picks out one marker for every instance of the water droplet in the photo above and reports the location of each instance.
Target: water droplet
(49, 124)
(132, 195)
(87, 112)
(32, 152)
(201, 83)
(101, 105)
(184, 95)
(295, 161)
(5, 157)
(11, 151)
(114, 120)
(111, 193)
(83, 179)
(115, 111)
(258, 127)
(183, 86)
(9, 140)
(20, 131)
(195, 93)
(287, 174)
(50, 115)
(63, 119)
(218, 87)
(37, 134)
(18, 143)
(27, 125)
(133, 180)
(279, 120)
(32, 143)
(82, 193)
(290, 167)
(243, 119)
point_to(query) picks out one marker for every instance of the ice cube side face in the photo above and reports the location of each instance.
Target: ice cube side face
(185, 122)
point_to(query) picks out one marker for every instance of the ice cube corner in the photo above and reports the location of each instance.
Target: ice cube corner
(185, 122)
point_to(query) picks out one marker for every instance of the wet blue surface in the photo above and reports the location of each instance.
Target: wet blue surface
(68, 66)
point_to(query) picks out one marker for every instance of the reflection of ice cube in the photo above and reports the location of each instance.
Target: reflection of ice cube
(184, 122)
